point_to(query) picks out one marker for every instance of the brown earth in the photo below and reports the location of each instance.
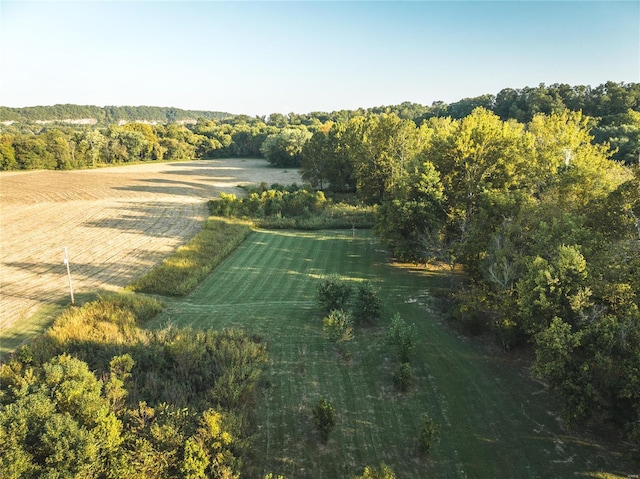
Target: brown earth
(116, 223)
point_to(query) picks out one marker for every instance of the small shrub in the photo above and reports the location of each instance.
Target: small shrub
(324, 416)
(333, 293)
(403, 377)
(383, 472)
(367, 306)
(338, 326)
(402, 336)
(428, 434)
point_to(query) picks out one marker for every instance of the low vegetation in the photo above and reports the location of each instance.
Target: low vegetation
(181, 272)
(382, 472)
(98, 396)
(292, 207)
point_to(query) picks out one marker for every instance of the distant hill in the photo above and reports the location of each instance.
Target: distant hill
(107, 114)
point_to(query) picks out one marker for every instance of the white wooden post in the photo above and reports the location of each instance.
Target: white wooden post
(66, 262)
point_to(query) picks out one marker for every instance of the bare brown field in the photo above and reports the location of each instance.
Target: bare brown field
(116, 223)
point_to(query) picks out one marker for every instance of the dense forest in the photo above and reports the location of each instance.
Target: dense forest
(157, 134)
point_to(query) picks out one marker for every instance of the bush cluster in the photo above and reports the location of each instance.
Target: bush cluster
(277, 201)
(98, 396)
(292, 207)
(362, 301)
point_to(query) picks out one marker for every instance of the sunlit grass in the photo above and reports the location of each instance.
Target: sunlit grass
(27, 328)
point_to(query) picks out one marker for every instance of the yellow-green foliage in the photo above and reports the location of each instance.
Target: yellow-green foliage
(99, 329)
(99, 396)
(110, 320)
(293, 207)
(181, 272)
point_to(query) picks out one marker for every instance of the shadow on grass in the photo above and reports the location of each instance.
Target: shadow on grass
(26, 329)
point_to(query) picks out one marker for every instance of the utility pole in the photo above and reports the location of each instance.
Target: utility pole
(66, 262)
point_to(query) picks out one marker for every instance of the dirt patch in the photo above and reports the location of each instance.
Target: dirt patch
(116, 223)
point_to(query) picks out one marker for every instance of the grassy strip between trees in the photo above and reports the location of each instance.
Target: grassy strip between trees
(181, 272)
(494, 420)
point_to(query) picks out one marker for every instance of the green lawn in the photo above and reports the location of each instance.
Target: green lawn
(496, 422)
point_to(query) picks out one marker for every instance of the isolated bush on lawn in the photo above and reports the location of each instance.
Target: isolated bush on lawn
(338, 326)
(324, 416)
(403, 377)
(403, 337)
(333, 293)
(383, 472)
(367, 306)
(428, 434)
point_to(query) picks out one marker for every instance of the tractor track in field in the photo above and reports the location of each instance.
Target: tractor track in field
(116, 223)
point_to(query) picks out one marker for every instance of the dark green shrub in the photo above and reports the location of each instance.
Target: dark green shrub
(428, 434)
(403, 377)
(402, 336)
(333, 293)
(324, 416)
(367, 306)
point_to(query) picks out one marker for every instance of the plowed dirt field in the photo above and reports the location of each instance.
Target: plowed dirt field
(116, 223)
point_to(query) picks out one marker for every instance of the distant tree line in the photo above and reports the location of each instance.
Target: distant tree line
(105, 115)
(613, 110)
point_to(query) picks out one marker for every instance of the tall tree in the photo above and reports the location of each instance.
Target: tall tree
(285, 148)
(382, 150)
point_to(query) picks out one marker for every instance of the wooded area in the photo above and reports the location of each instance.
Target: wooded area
(157, 134)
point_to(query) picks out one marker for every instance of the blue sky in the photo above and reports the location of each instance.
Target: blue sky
(263, 57)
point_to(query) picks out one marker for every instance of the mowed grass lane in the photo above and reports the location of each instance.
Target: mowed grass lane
(496, 423)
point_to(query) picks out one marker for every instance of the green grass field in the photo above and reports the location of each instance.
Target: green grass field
(496, 422)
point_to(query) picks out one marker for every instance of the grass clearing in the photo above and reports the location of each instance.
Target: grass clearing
(496, 422)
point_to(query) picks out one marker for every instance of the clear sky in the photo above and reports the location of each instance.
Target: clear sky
(258, 58)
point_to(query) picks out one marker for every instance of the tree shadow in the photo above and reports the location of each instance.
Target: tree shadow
(80, 273)
(139, 219)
